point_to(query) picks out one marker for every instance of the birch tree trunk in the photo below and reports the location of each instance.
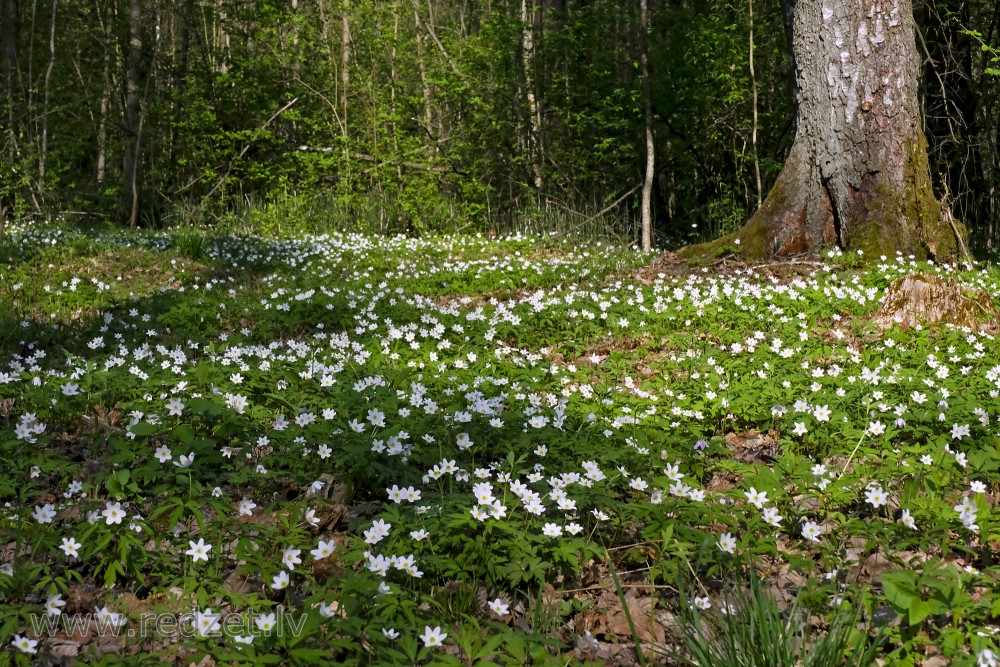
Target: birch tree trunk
(534, 114)
(647, 104)
(222, 40)
(857, 175)
(106, 89)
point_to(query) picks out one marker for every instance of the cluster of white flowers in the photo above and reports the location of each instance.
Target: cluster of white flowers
(447, 371)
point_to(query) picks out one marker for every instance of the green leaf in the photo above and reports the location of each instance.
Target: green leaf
(900, 589)
(184, 434)
(205, 405)
(144, 429)
(309, 656)
(918, 611)
(283, 401)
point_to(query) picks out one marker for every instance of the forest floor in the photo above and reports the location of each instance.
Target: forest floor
(346, 449)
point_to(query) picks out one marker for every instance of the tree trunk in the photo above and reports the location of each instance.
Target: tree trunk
(8, 36)
(132, 102)
(326, 32)
(393, 111)
(425, 86)
(180, 76)
(345, 80)
(296, 56)
(534, 114)
(43, 150)
(647, 183)
(222, 40)
(8, 54)
(753, 86)
(106, 89)
(857, 175)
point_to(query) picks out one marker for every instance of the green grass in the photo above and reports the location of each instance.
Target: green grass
(747, 628)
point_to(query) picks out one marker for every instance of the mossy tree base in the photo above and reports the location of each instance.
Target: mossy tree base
(857, 176)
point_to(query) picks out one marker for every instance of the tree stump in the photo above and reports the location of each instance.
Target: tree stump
(927, 299)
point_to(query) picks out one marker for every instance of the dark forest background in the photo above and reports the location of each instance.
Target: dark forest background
(442, 115)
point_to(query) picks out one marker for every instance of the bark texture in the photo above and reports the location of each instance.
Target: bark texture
(534, 127)
(132, 110)
(927, 299)
(857, 175)
(8, 34)
(647, 106)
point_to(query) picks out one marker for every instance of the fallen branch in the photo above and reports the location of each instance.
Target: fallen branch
(946, 212)
(604, 210)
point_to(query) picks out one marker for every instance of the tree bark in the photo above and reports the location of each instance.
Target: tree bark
(8, 54)
(132, 104)
(345, 79)
(180, 74)
(326, 31)
(647, 104)
(753, 86)
(296, 56)
(425, 87)
(29, 125)
(534, 113)
(8, 37)
(857, 175)
(43, 150)
(106, 89)
(222, 40)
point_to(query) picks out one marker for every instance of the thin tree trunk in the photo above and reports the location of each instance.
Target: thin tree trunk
(753, 85)
(105, 105)
(29, 125)
(534, 115)
(132, 104)
(8, 36)
(296, 60)
(30, 129)
(8, 54)
(180, 77)
(44, 147)
(395, 83)
(647, 105)
(345, 80)
(327, 34)
(425, 88)
(429, 27)
(223, 40)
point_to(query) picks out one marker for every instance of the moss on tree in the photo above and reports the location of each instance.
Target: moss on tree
(873, 238)
(749, 243)
(907, 219)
